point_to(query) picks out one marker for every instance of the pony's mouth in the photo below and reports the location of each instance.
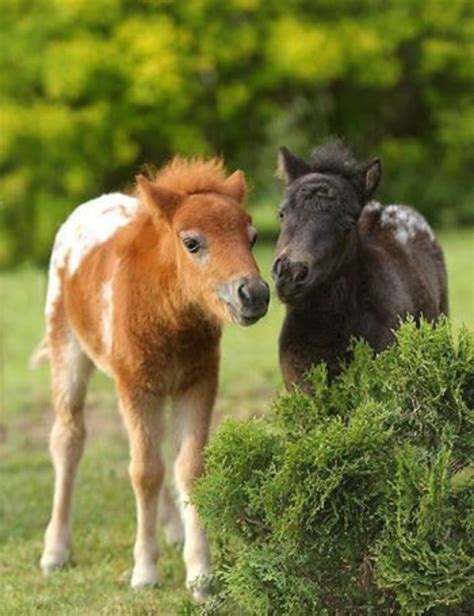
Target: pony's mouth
(242, 318)
(292, 297)
(296, 294)
(290, 294)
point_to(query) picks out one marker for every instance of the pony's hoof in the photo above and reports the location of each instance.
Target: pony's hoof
(53, 560)
(144, 577)
(200, 595)
(200, 589)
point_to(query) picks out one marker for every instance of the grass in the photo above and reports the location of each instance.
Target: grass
(97, 582)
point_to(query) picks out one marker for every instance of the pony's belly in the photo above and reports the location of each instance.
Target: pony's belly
(101, 362)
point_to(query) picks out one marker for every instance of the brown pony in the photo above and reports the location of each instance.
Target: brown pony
(139, 287)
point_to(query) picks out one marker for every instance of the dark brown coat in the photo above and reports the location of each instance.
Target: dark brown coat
(346, 266)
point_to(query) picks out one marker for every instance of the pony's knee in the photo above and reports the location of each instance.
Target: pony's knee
(147, 478)
(67, 436)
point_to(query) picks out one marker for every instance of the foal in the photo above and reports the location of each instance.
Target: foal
(346, 267)
(139, 287)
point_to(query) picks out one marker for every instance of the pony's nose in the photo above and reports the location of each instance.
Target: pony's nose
(253, 292)
(289, 276)
(285, 269)
(247, 298)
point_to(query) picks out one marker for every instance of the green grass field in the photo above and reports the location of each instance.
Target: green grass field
(97, 581)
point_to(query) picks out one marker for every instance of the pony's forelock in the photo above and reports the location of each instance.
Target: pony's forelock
(333, 157)
(191, 175)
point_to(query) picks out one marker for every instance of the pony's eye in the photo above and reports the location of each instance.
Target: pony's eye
(281, 214)
(192, 244)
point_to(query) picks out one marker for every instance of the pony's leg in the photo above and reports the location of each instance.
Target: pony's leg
(191, 414)
(444, 302)
(169, 517)
(70, 369)
(143, 415)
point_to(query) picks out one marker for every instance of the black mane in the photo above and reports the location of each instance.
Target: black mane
(334, 157)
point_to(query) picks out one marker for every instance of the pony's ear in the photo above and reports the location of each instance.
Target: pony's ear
(372, 176)
(159, 200)
(235, 185)
(290, 167)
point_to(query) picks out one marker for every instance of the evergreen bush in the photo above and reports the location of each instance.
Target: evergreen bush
(357, 498)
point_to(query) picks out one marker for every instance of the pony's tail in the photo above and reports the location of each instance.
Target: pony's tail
(40, 355)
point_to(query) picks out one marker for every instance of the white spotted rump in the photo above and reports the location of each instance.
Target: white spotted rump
(89, 225)
(405, 223)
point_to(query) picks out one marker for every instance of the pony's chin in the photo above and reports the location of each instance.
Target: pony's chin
(245, 320)
(293, 298)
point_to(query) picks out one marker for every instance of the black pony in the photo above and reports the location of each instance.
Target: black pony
(345, 266)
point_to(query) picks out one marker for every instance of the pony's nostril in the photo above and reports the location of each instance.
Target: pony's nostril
(253, 293)
(244, 293)
(276, 268)
(301, 273)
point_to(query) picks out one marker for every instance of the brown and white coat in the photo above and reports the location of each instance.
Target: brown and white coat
(139, 286)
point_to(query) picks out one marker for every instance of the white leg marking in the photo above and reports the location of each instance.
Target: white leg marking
(191, 414)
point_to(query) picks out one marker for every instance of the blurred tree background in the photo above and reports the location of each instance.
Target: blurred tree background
(90, 91)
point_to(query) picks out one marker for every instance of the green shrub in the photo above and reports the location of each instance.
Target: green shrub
(357, 498)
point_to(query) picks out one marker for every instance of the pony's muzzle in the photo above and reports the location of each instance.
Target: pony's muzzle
(291, 277)
(247, 298)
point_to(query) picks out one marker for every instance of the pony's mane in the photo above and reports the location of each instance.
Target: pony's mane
(191, 175)
(333, 157)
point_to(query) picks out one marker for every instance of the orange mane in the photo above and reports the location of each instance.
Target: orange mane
(192, 175)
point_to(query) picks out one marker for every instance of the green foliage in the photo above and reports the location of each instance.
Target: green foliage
(90, 91)
(356, 497)
(425, 552)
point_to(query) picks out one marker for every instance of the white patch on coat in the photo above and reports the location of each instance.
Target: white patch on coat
(407, 224)
(89, 225)
(372, 206)
(107, 296)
